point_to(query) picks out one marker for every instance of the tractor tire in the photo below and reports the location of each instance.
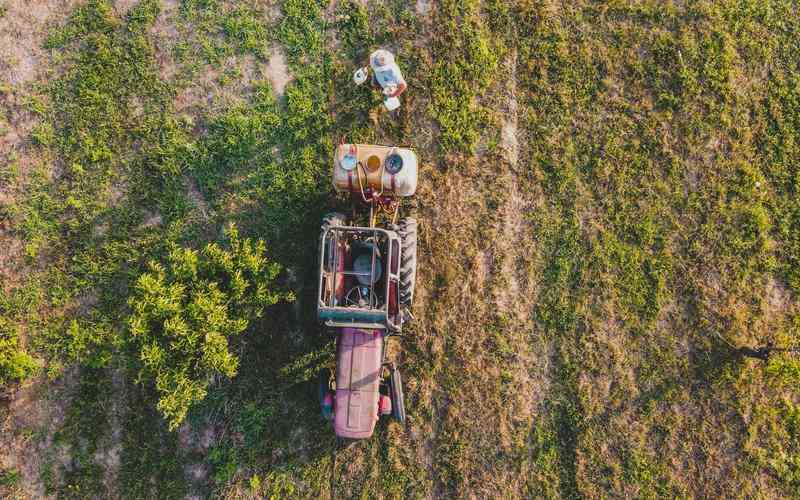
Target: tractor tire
(407, 230)
(323, 384)
(396, 393)
(323, 388)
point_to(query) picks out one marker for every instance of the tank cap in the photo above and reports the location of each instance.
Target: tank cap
(348, 162)
(394, 163)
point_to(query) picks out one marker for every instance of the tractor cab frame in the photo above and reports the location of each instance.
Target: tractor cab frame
(355, 295)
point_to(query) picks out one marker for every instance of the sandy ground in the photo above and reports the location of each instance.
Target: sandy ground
(27, 431)
(277, 72)
(23, 29)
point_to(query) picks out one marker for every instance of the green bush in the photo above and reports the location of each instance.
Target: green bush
(185, 313)
(301, 29)
(353, 24)
(15, 363)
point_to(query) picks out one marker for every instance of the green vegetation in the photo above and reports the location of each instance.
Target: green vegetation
(187, 312)
(608, 209)
(85, 426)
(9, 478)
(468, 59)
(213, 31)
(151, 460)
(15, 363)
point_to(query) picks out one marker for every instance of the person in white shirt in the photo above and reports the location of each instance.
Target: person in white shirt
(386, 73)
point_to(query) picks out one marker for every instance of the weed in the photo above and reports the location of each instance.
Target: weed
(246, 28)
(15, 363)
(9, 478)
(468, 59)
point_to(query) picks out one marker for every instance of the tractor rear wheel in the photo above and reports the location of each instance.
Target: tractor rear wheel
(407, 230)
(396, 393)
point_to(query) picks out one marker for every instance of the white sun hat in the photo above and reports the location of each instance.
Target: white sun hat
(381, 60)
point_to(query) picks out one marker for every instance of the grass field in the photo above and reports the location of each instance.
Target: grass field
(609, 209)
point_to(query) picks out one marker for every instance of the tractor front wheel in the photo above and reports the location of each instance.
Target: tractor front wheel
(325, 394)
(396, 393)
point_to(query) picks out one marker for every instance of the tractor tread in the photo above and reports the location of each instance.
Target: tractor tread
(396, 393)
(407, 230)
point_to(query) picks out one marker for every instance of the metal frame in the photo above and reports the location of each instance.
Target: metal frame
(356, 317)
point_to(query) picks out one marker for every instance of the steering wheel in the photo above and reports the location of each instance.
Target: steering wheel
(357, 297)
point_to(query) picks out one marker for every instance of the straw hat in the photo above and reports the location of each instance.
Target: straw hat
(381, 60)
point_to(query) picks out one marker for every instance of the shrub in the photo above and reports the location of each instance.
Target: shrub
(185, 313)
(15, 363)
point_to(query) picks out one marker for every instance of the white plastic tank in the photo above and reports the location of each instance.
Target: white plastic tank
(383, 169)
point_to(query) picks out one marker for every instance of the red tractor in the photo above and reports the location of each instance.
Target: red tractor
(366, 285)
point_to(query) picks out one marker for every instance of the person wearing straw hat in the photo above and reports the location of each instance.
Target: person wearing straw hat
(386, 74)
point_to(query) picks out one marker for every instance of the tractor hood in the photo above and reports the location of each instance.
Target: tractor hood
(358, 369)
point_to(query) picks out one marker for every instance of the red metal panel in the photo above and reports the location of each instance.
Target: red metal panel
(358, 368)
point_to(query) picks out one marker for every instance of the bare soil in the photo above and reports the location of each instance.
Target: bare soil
(23, 30)
(508, 133)
(276, 70)
(28, 424)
